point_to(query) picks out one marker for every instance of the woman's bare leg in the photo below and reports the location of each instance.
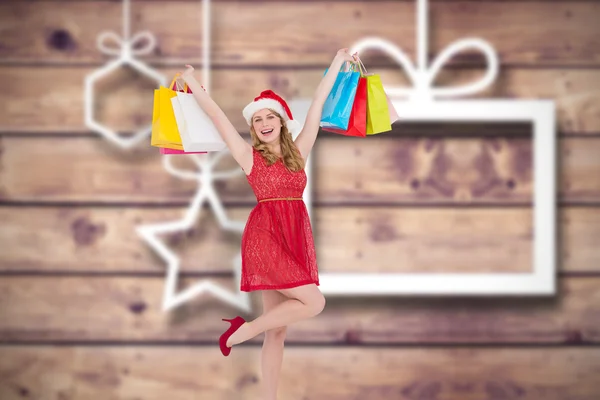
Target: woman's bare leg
(303, 302)
(272, 350)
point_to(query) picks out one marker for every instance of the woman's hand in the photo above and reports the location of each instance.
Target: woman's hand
(343, 54)
(187, 74)
(189, 71)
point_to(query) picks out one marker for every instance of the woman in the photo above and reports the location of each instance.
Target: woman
(278, 255)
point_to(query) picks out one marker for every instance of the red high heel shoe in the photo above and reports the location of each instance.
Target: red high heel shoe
(235, 324)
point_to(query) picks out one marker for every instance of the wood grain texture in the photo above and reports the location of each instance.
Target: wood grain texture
(125, 309)
(341, 373)
(67, 34)
(50, 99)
(349, 239)
(80, 293)
(385, 169)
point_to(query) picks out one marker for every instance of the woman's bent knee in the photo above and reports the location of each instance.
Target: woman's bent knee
(318, 305)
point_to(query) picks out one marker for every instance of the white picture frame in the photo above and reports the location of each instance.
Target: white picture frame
(542, 278)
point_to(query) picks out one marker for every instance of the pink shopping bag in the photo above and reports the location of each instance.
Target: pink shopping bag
(164, 150)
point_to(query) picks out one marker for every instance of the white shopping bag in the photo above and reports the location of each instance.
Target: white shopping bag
(198, 133)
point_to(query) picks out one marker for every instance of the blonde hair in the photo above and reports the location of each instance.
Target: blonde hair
(292, 158)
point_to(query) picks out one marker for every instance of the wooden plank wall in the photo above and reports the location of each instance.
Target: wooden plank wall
(80, 293)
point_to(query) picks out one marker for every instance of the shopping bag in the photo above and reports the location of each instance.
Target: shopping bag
(378, 115)
(338, 105)
(392, 110)
(164, 150)
(357, 125)
(164, 126)
(198, 132)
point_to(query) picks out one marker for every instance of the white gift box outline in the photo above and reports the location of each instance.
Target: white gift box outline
(422, 105)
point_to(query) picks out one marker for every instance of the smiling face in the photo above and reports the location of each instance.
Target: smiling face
(267, 125)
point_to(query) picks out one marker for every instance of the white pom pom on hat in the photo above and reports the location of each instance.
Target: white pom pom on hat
(269, 99)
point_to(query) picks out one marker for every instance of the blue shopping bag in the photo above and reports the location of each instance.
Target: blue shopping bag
(338, 106)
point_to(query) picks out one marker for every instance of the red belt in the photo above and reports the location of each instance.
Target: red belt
(281, 198)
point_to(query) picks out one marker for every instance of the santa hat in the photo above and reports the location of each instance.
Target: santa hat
(269, 99)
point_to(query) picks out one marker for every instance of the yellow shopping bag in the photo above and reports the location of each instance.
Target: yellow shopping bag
(164, 126)
(378, 114)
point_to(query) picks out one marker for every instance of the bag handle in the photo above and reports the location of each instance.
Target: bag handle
(344, 66)
(361, 67)
(176, 86)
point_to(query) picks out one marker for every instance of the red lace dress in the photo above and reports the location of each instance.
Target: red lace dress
(278, 250)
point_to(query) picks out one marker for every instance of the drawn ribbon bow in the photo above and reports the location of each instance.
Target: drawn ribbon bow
(422, 76)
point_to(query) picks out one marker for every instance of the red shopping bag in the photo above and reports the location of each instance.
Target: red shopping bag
(357, 125)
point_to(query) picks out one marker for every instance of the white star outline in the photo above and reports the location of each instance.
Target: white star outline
(205, 192)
